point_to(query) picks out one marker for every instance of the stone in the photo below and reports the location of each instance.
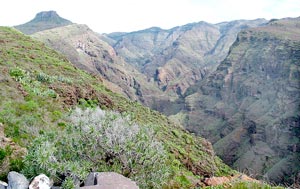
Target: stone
(17, 181)
(91, 179)
(3, 185)
(40, 182)
(109, 180)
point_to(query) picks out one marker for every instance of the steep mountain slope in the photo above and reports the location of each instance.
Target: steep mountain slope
(43, 21)
(249, 107)
(87, 51)
(40, 86)
(178, 57)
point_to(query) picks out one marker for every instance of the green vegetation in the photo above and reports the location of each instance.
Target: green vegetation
(100, 141)
(4, 152)
(40, 87)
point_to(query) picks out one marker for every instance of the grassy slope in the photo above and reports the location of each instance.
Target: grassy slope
(39, 87)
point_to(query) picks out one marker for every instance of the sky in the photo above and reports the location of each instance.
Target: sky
(106, 16)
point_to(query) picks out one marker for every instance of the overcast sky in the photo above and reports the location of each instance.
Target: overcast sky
(106, 16)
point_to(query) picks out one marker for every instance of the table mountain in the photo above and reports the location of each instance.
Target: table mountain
(43, 21)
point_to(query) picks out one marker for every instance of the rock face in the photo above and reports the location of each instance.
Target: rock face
(249, 107)
(40, 182)
(178, 57)
(43, 21)
(108, 180)
(17, 181)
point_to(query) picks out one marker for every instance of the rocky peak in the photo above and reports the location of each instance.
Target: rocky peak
(49, 16)
(43, 21)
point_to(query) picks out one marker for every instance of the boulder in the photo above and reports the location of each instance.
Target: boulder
(108, 180)
(3, 185)
(91, 179)
(40, 182)
(17, 181)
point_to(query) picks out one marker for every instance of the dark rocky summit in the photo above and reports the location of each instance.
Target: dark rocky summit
(43, 21)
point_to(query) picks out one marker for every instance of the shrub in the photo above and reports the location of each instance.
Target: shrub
(68, 183)
(17, 73)
(100, 141)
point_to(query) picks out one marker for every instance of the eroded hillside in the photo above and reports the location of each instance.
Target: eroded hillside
(249, 107)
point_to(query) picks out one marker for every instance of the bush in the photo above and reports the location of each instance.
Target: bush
(17, 73)
(100, 141)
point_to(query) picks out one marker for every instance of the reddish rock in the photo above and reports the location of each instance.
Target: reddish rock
(214, 181)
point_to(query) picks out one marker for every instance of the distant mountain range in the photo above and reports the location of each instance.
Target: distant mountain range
(236, 83)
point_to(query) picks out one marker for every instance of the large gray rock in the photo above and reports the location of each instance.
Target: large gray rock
(3, 185)
(108, 180)
(17, 181)
(40, 182)
(91, 179)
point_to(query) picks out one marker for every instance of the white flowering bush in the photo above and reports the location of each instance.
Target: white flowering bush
(98, 140)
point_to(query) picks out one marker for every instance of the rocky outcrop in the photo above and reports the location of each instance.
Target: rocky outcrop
(3, 185)
(108, 180)
(249, 107)
(40, 182)
(95, 180)
(215, 181)
(43, 21)
(17, 181)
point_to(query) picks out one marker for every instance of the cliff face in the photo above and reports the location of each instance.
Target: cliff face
(43, 21)
(177, 58)
(249, 107)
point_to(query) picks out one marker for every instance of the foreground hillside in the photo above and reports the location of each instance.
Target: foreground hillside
(249, 107)
(39, 88)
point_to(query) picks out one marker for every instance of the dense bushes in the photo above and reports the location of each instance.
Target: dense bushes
(99, 140)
